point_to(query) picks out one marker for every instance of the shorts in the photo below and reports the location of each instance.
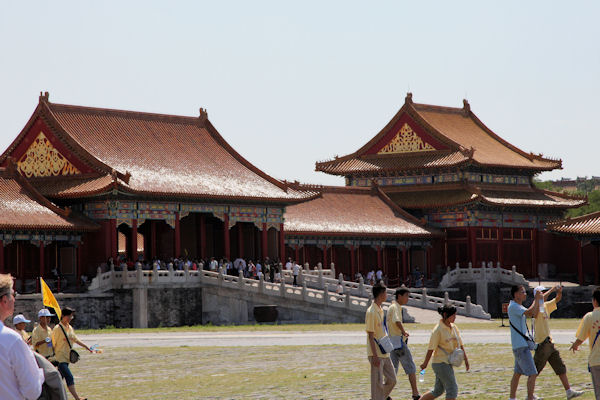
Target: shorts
(444, 381)
(524, 364)
(404, 357)
(546, 352)
(64, 370)
(595, 371)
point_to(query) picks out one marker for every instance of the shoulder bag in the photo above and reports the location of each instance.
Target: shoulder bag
(73, 355)
(458, 355)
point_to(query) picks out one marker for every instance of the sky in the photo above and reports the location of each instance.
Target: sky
(291, 83)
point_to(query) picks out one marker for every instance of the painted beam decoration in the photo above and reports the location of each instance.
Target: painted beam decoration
(43, 159)
(125, 212)
(454, 177)
(299, 241)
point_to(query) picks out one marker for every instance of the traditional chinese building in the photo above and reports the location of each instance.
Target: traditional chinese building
(163, 185)
(359, 229)
(444, 165)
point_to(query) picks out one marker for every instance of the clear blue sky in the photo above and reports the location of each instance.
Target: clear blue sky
(288, 84)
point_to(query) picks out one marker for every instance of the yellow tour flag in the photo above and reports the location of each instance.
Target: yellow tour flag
(48, 298)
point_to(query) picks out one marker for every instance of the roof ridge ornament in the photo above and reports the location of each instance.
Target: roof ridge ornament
(203, 114)
(44, 97)
(408, 99)
(466, 107)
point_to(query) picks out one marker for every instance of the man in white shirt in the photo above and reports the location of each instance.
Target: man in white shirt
(288, 264)
(20, 378)
(379, 275)
(296, 271)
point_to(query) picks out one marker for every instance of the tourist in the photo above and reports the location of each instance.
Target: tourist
(289, 264)
(370, 277)
(379, 275)
(383, 377)
(445, 340)
(296, 272)
(589, 328)
(522, 344)
(21, 378)
(402, 355)
(63, 338)
(340, 291)
(277, 275)
(213, 265)
(19, 321)
(272, 273)
(545, 350)
(52, 388)
(41, 337)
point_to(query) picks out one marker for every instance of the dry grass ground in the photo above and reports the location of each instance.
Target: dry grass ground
(307, 372)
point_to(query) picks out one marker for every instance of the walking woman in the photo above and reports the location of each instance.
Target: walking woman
(445, 340)
(63, 338)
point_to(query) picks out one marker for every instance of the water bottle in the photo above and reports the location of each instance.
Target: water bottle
(542, 310)
(48, 342)
(94, 348)
(422, 376)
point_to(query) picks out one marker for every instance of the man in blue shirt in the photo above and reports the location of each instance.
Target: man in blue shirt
(517, 316)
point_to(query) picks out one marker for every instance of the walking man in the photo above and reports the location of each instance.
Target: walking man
(295, 272)
(383, 377)
(517, 316)
(20, 378)
(589, 328)
(545, 350)
(395, 328)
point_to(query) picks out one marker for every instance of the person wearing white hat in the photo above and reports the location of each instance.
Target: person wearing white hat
(545, 352)
(21, 378)
(19, 321)
(41, 337)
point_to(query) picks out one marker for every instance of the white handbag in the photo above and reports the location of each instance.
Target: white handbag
(457, 356)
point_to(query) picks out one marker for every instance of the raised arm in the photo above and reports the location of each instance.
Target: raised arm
(534, 308)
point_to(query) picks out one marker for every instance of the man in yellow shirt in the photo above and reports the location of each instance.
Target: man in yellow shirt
(41, 337)
(545, 351)
(402, 355)
(589, 328)
(383, 376)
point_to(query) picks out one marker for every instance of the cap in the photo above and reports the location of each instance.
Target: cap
(44, 312)
(20, 318)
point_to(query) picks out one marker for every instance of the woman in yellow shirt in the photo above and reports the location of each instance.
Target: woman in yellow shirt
(445, 338)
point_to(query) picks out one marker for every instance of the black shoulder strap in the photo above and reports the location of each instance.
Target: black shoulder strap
(66, 337)
(519, 332)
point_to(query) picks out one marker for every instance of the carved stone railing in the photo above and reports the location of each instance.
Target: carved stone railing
(483, 274)
(313, 286)
(161, 278)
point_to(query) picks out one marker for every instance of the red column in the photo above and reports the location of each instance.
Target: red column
(177, 252)
(42, 263)
(281, 244)
(472, 246)
(240, 233)
(153, 239)
(429, 265)
(404, 263)
(79, 266)
(534, 268)
(134, 243)
(114, 242)
(352, 263)
(501, 247)
(580, 262)
(264, 235)
(325, 257)
(107, 239)
(226, 235)
(1, 256)
(202, 235)
(379, 259)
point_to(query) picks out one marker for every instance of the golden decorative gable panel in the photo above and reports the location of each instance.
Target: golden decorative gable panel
(405, 141)
(43, 159)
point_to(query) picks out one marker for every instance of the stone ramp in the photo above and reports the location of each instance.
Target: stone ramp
(425, 316)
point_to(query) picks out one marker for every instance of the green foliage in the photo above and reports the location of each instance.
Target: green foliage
(545, 185)
(593, 206)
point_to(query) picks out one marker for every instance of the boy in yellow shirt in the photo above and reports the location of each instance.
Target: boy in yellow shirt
(545, 352)
(402, 356)
(19, 321)
(41, 337)
(383, 376)
(589, 328)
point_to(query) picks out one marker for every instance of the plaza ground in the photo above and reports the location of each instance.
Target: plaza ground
(183, 363)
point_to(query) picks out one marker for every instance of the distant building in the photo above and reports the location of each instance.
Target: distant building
(581, 184)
